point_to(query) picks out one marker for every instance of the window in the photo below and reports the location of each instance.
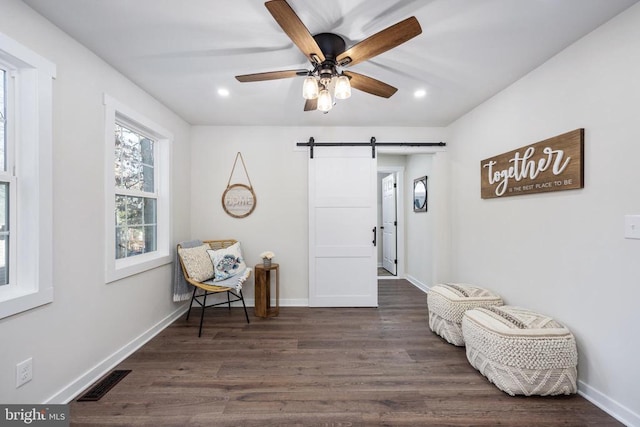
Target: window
(6, 180)
(137, 192)
(136, 198)
(25, 178)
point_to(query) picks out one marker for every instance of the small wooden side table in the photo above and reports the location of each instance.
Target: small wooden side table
(262, 306)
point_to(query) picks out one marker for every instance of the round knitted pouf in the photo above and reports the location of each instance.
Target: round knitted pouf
(448, 302)
(520, 351)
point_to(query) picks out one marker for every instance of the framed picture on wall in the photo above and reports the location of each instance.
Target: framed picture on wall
(420, 194)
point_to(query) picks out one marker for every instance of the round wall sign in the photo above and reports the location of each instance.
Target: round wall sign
(239, 200)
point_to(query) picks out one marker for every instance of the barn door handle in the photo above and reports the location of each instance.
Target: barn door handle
(374, 236)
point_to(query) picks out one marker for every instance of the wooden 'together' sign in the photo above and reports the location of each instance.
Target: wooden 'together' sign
(551, 165)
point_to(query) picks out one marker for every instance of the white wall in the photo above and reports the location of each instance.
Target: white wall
(419, 244)
(89, 323)
(278, 173)
(563, 253)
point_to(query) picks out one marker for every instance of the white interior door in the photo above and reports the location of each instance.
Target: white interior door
(389, 224)
(342, 220)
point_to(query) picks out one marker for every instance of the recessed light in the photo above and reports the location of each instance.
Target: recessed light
(223, 92)
(420, 93)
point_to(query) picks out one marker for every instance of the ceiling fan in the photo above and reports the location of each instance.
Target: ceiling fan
(328, 54)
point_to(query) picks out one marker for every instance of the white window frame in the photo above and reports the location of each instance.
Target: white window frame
(29, 171)
(8, 174)
(116, 269)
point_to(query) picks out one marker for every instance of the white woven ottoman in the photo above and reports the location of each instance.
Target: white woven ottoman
(520, 351)
(448, 302)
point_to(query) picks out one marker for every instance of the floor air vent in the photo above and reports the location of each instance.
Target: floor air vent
(100, 389)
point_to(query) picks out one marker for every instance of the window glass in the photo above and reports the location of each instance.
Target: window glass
(136, 228)
(136, 216)
(3, 115)
(134, 160)
(4, 186)
(4, 233)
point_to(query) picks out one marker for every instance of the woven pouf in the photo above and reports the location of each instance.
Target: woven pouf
(520, 351)
(448, 302)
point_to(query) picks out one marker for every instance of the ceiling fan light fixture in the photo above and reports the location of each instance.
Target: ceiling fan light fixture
(328, 52)
(343, 87)
(310, 88)
(324, 100)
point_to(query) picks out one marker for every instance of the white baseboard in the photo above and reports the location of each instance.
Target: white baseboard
(297, 302)
(610, 406)
(417, 283)
(389, 277)
(69, 392)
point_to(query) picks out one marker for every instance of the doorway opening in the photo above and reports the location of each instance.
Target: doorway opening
(390, 193)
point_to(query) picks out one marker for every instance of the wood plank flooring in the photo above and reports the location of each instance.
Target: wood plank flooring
(318, 367)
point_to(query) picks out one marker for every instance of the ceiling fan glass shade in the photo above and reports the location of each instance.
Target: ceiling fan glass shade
(324, 100)
(343, 88)
(310, 88)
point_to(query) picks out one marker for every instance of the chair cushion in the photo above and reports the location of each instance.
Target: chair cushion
(227, 262)
(197, 262)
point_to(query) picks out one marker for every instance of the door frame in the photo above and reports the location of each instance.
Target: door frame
(399, 172)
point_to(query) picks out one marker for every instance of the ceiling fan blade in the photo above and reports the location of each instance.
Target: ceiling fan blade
(311, 104)
(380, 42)
(370, 85)
(295, 29)
(271, 75)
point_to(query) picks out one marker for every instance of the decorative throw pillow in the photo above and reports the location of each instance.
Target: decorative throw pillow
(227, 262)
(197, 262)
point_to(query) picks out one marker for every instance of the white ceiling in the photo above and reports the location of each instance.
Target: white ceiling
(183, 51)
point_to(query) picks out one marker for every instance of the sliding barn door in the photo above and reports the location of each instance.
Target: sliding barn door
(342, 220)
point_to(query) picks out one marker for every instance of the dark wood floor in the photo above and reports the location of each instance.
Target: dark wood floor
(318, 367)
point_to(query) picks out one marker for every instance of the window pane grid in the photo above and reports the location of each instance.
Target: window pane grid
(134, 160)
(136, 226)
